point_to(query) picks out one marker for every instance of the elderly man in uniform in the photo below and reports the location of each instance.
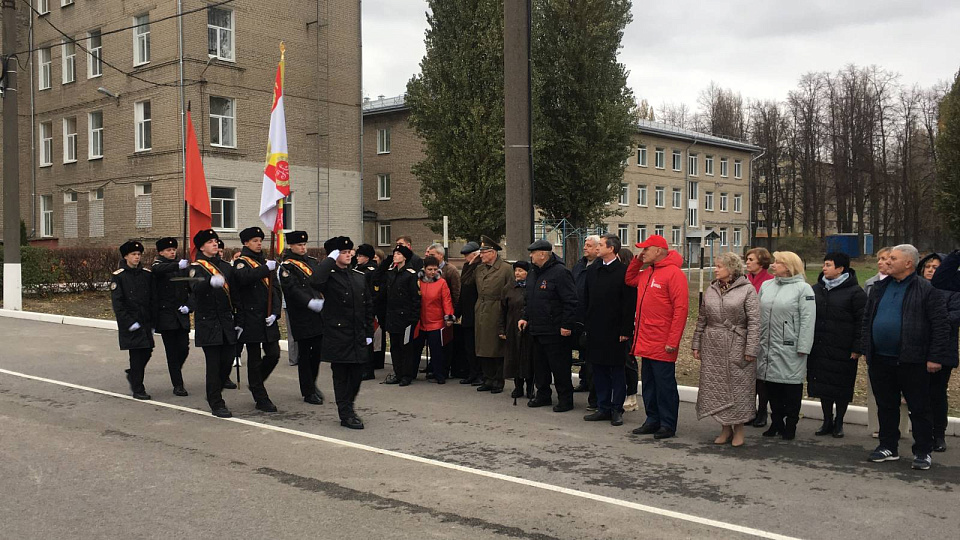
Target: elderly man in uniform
(257, 313)
(304, 304)
(133, 297)
(465, 310)
(493, 275)
(173, 311)
(550, 315)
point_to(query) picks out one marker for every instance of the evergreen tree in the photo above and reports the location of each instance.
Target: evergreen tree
(948, 159)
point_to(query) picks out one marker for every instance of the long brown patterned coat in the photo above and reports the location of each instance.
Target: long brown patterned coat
(728, 330)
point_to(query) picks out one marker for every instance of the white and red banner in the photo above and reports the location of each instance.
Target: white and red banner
(276, 173)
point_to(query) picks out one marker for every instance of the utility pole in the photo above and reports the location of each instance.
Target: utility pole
(12, 290)
(518, 149)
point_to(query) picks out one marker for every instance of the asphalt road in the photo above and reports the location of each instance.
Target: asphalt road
(86, 461)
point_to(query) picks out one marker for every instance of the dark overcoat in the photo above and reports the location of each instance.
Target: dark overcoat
(252, 276)
(134, 301)
(609, 312)
(212, 306)
(170, 294)
(518, 350)
(347, 313)
(296, 273)
(831, 373)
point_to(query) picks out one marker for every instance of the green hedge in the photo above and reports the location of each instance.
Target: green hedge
(40, 267)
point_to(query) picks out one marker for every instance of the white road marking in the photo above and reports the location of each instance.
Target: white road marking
(436, 463)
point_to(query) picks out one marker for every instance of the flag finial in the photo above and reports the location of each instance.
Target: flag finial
(283, 50)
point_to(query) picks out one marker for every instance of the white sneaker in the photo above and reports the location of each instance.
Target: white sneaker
(630, 404)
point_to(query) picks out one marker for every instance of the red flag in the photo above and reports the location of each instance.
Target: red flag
(195, 188)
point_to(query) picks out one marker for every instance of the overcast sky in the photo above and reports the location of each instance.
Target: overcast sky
(674, 49)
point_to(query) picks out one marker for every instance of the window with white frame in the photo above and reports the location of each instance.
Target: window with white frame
(677, 161)
(46, 144)
(708, 201)
(677, 198)
(95, 50)
(624, 194)
(289, 221)
(641, 233)
(43, 7)
(737, 168)
(658, 158)
(723, 167)
(723, 237)
(658, 230)
(141, 190)
(143, 122)
(65, 3)
(220, 38)
(737, 237)
(96, 194)
(141, 40)
(95, 135)
(384, 236)
(223, 122)
(693, 190)
(223, 207)
(708, 165)
(383, 187)
(723, 202)
(383, 141)
(659, 195)
(693, 165)
(46, 214)
(737, 203)
(70, 197)
(623, 231)
(70, 140)
(69, 61)
(642, 155)
(692, 217)
(144, 205)
(675, 235)
(46, 65)
(642, 195)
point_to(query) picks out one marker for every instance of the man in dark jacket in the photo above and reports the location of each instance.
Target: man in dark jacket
(173, 311)
(364, 257)
(939, 381)
(304, 304)
(400, 288)
(591, 246)
(134, 302)
(347, 325)
(216, 330)
(465, 310)
(257, 313)
(905, 331)
(550, 315)
(610, 305)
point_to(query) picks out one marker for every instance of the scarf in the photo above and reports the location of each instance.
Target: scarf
(522, 284)
(832, 283)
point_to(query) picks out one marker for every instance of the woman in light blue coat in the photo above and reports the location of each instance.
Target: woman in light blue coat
(788, 312)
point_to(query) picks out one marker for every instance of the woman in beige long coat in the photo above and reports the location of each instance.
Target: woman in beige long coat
(726, 343)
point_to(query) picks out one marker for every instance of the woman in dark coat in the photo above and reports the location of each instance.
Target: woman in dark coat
(518, 354)
(939, 381)
(832, 365)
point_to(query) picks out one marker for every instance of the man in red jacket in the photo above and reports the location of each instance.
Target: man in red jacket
(662, 301)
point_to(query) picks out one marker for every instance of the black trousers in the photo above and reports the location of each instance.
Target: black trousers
(138, 364)
(346, 386)
(405, 356)
(219, 360)
(784, 404)
(762, 398)
(552, 359)
(260, 366)
(611, 387)
(308, 364)
(176, 343)
(938, 400)
(453, 352)
(632, 369)
(438, 360)
(469, 352)
(377, 358)
(889, 380)
(492, 369)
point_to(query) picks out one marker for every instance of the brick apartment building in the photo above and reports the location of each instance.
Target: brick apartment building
(678, 183)
(100, 109)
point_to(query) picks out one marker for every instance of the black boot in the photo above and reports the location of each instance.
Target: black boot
(826, 428)
(761, 418)
(776, 427)
(838, 428)
(789, 430)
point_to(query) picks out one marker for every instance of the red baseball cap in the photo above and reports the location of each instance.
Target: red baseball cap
(653, 241)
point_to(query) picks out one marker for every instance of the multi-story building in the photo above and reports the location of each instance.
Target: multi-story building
(101, 97)
(678, 183)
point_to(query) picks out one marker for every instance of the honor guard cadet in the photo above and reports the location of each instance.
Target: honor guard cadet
(257, 313)
(364, 256)
(133, 297)
(173, 311)
(216, 332)
(303, 307)
(347, 325)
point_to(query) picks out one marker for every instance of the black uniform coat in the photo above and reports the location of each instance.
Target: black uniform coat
(347, 313)
(400, 291)
(831, 373)
(170, 294)
(250, 298)
(212, 307)
(518, 353)
(551, 299)
(134, 301)
(466, 308)
(295, 278)
(609, 310)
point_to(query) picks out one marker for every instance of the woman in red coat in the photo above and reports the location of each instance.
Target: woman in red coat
(436, 313)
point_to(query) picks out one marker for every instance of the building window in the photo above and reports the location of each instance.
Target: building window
(43, 74)
(65, 3)
(677, 198)
(144, 205)
(223, 207)
(658, 230)
(141, 190)
(95, 48)
(693, 190)
(641, 195)
(46, 144)
(737, 168)
(641, 233)
(723, 167)
(723, 202)
(624, 194)
(223, 122)
(677, 161)
(737, 203)
(141, 40)
(43, 7)
(95, 134)
(69, 65)
(96, 194)
(623, 231)
(692, 217)
(70, 197)
(642, 156)
(737, 237)
(708, 165)
(723, 237)
(289, 223)
(220, 33)
(708, 201)
(384, 236)
(658, 158)
(142, 120)
(383, 187)
(70, 140)
(383, 141)
(692, 165)
(675, 235)
(46, 213)
(658, 197)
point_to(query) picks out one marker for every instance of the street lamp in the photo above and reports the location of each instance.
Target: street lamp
(108, 93)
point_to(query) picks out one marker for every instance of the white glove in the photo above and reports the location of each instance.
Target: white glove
(271, 319)
(134, 327)
(369, 340)
(334, 254)
(272, 265)
(239, 331)
(315, 305)
(183, 309)
(217, 282)
(183, 264)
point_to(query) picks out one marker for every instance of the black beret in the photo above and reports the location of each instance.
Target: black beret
(204, 236)
(487, 243)
(522, 264)
(366, 250)
(296, 237)
(130, 246)
(167, 243)
(337, 243)
(469, 247)
(405, 251)
(540, 245)
(250, 233)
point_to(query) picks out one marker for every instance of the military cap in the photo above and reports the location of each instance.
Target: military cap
(487, 243)
(296, 237)
(166, 243)
(405, 251)
(366, 250)
(250, 233)
(540, 245)
(204, 236)
(469, 247)
(522, 264)
(338, 243)
(129, 247)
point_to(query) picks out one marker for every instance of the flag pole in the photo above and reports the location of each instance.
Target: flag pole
(186, 207)
(273, 250)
